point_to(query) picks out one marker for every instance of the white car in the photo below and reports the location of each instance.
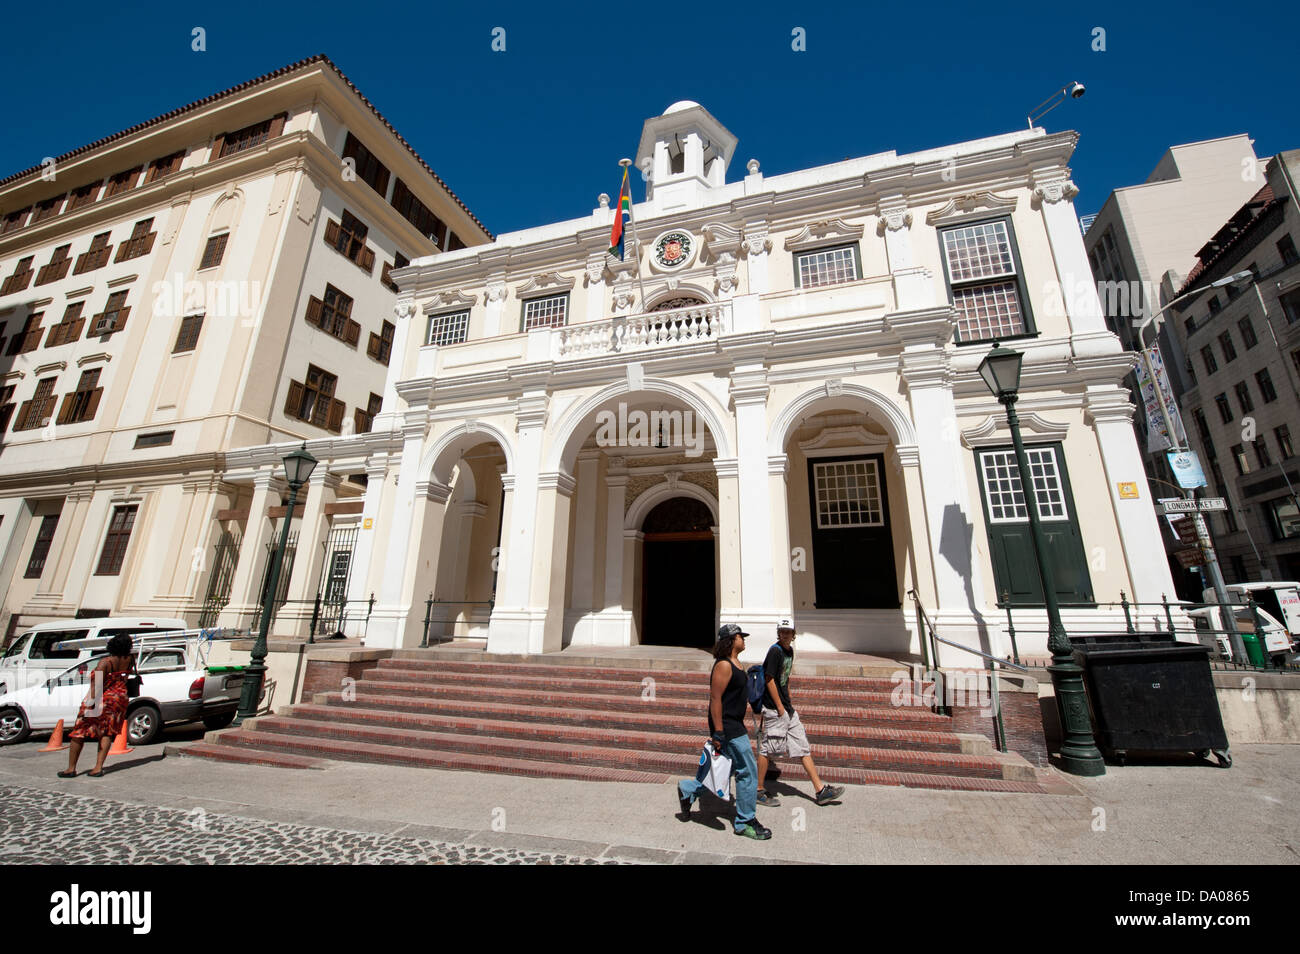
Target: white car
(170, 692)
(36, 653)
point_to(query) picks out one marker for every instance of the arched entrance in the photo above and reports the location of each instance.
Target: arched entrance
(678, 596)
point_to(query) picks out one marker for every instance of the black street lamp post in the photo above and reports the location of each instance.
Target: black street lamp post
(1000, 370)
(298, 466)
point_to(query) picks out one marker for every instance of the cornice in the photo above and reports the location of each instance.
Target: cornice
(971, 203)
(995, 430)
(48, 367)
(823, 231)
(448, 299)
(545, 280)
(99, 357)
(45, 479)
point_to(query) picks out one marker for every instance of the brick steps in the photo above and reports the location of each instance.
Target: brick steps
(600, 723)
(251, 756)
(580, 744)
(480, 717)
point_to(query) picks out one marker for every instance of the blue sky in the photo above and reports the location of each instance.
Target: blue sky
(533, 134)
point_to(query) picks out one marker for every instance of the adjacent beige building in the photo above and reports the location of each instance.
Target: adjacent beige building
(210, 279)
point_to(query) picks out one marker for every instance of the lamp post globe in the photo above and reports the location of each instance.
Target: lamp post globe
(1000, 370)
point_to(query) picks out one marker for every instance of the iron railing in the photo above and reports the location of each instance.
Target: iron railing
(445, 616)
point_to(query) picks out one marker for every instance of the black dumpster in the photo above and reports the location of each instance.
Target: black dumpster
(1150, 693)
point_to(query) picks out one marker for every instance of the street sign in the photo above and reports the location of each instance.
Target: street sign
(1190, 506)
(1189, 557)
(1185, 528)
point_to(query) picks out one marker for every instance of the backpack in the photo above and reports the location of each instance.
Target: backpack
(756, 685)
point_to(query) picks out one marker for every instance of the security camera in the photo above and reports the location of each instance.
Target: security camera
(1076, 90)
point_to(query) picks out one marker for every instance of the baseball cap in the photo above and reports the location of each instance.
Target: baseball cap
(785, 623)
(730, 629)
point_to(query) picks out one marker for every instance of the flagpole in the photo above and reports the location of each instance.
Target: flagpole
(636, 241)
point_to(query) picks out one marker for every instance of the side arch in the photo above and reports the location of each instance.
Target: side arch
(851, 397)
(439, 459)
(657, 494)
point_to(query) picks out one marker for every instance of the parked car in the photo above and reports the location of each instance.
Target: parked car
(1280, 599)
(172, 691)
(1209, 631)
(35, 654)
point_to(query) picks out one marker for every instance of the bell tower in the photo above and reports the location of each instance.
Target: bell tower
(685, 153)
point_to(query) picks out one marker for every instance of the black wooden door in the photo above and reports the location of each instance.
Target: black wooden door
(853, 544)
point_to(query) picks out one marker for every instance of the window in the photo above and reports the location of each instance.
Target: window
(14, 220)
(447, 329)
(369, 169)
(1283, 436)
(47, 209)
(313, 400)
(156, 439)
(84, 196)
(122, 181)
(418, 214)
(1191, 372)
(188, 337)
(69, 328)
(1202, 425)
(41, 549)
(214, 251)
(348, 238)
(7, 406)
(1215, 305)
(1285, 518)
(1286, 248)
(1189, 325)
(81, 404)
(826, 266)
(1225, 409)
(1262, 455)
(1247, 333)
(1207, 355)
(333, 315)
(21, 277)
(1290, 303)
(37, 412)
(228, 144)
(381, 345)
(1243, 397)
(119, 535)
(113, 317)
(94, 257)
(1239, 458)
(29, 338)
(140, 242)
(1007, 520)
(1266, 389)
(57, 267)
(848, 494)
(399, 261)
(365, 420)
(1229, 350)
(164, 166)
(982, 270)
(549, 312)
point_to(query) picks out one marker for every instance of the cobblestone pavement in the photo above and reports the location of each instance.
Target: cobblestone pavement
(42, 827)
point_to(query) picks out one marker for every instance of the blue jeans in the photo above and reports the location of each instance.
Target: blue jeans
(743, 767)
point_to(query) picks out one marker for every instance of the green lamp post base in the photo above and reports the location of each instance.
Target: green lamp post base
(1079, 754)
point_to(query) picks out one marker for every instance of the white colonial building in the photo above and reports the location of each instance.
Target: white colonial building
(206, 280)
(771, 409)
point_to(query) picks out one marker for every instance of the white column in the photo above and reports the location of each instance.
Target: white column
(1088, 330)
(420, 565)
(512, 617)
(407, 327)
(550, 562)
(913, 286)
(309, 558)
(495, 308)
(368, 534)
(258, 528)
(584, 550)
(756, 245)
(615, 502)
(782, 581)
(749, 393)
(1110, 415)
(595, 288)
(384, 630)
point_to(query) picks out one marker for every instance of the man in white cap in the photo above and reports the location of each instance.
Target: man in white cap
(782, 734)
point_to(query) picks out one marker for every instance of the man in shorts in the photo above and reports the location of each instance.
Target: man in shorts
(782, 734)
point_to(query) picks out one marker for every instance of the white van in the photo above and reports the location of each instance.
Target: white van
(1279, 598)
(32, 657)
(1277, 641)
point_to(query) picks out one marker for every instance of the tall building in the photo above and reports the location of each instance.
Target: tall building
(212, 278)
(1141, 246)
(1243, 409)
(769, 406)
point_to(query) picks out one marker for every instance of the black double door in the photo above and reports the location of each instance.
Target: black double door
(853, 544)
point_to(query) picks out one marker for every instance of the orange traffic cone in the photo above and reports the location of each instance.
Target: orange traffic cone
(119, 745)
(56, 740)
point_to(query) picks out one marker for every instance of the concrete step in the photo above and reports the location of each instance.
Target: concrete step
(250, 756)
(853, 714)
(627, 749)
(471, 716)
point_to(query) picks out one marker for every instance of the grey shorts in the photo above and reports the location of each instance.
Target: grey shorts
(783, 738)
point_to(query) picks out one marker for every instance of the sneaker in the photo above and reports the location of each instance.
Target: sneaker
(755, 830)
(829, 793)
(768, 799)
(684, 802)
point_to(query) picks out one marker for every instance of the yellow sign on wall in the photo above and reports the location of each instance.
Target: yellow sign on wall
(368, 524)
(1128, 490)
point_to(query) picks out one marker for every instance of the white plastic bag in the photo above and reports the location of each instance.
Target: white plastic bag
(718, 778)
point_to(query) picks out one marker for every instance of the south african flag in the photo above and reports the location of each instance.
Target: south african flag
(623, 210)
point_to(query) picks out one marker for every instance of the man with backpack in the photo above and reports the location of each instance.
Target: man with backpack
(781, 733)
(728, 693)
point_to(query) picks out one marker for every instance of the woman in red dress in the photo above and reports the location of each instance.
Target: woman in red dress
(102, 721)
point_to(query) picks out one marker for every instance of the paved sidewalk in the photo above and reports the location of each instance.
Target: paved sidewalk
(1175, 812)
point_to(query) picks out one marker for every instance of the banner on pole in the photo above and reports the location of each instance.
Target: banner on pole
(1158, 437)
